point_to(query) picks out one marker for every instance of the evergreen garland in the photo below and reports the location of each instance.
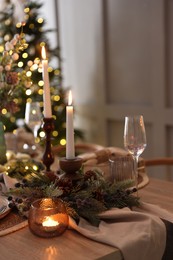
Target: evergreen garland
(86, 196)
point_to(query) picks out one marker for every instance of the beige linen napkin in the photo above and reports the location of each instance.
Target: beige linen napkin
(8, 182)
(137, 234)
(155, 211)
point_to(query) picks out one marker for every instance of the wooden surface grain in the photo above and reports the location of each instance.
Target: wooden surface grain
(158, 192)
(22, 244)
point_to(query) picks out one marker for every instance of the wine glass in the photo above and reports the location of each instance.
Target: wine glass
(33, 118)
(135, 139)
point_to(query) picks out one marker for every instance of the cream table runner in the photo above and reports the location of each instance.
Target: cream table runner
(139, 235)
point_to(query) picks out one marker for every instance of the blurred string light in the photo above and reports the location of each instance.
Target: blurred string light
(1, 48)
(28, 73)
(18, 25)
(42, 134)
(26, 9)
(33, 66)
(29, 100)
(56, 98)
(20, 64)
(40, 20)
(63, 142)
(4, 111)
(12, 119)
(55, 133)
(41, 83)
(28, 92)
(25, 55)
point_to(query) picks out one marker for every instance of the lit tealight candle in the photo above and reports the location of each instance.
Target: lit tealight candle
(50, 224)
(48, 217)
(70, 151)
(46, 95)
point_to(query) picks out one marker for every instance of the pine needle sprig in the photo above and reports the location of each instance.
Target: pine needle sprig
(91, 211)
(52, 191)
(27, 192)
(19, 168)
(37, 178)
(86, 196)
(70, 210)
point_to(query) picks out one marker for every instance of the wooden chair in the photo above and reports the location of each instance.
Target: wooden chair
(159, 161)
(80, 148)
(160, 167)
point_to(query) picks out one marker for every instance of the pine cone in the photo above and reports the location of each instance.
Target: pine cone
(90, 174)
(12, 78)
(64, 183)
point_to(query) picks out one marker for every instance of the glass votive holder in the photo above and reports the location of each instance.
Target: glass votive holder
(121, 168)
(48, 217)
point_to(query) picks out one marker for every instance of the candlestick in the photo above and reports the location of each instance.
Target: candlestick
(70, 152)
(70, 166)
(46, 95)
(48, 157)
(3, 158)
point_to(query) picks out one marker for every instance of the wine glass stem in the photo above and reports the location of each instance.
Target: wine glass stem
(135, 158)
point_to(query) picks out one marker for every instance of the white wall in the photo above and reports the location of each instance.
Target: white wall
(115, 59)
(82, 50)
(49, 13)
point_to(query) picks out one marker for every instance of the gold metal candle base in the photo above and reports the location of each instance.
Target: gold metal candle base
(70, 166)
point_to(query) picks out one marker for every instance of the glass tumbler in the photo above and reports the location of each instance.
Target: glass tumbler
(121, 168)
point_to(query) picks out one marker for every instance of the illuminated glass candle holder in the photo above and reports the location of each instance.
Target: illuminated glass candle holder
(48, 217)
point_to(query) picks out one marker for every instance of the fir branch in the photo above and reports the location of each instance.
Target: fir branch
(52, 191)
(70, 210)
(19, 168)
(87, 196)
(27, 192)
(123, 184)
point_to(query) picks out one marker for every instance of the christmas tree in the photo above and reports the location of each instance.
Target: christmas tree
(32, 28)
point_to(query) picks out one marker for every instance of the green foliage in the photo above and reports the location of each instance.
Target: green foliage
(19, 168)
(35, 35)
(85, 196)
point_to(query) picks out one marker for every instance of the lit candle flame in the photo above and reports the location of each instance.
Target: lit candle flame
(43, 53)
(70, 98)
(49, 222)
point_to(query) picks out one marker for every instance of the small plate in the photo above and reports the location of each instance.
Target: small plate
(4, 202)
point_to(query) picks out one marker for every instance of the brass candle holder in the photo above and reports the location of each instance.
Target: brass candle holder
(48, 157)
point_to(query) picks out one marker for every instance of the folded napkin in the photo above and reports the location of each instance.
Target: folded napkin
(138, 235)
(167, 218)
(156, 211)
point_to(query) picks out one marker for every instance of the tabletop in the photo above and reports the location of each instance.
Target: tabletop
(158, 192)
(22, 244)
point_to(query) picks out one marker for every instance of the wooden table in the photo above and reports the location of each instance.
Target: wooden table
(158, 192)
(23, 244)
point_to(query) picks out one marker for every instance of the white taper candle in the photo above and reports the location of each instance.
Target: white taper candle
(47, 111)
(70, 150)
